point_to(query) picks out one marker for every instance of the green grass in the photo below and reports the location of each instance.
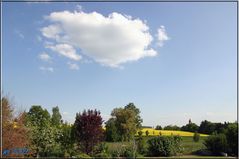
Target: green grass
(188, 145)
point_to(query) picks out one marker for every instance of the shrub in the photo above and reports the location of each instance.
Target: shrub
(101, 148)
(126, 152)
(196, 137)
(216, 143)
(141, 144)
(164, 146)
(232, 138)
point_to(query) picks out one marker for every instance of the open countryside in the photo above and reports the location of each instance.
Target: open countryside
(118, 79)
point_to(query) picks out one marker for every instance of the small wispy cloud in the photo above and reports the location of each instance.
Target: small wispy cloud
(19, 34)
(73, 66)
(46, 69)
(44, 57)
(162, 36)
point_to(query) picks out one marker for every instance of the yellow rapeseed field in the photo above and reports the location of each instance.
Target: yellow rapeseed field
(153, 132)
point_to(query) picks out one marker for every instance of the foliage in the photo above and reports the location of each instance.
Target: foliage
(88, 130)
(111, 131)
(125, 123)
(44, 137)
(141, 143)
(126, 151)
(216, 143)
(38, 117)
(101, 148)
(67, 139)
(158, 127)
(56, 116)
(208, 127)
(171, 127)
(232, 138)
(138, 119)
(147, 133)
(14, 131)
(196, 137)
(164, 146)
(191, 127)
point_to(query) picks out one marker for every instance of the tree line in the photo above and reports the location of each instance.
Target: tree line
(47, 135)
(205, 127)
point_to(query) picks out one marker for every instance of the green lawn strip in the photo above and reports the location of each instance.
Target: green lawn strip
(188, 145)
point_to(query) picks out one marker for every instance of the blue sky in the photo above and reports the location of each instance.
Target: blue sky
(188, 71)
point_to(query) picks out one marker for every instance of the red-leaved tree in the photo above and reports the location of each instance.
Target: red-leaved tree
(88, 130)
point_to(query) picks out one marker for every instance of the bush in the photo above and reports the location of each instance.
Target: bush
(216, 143)
(141, 145)
(164, 146)
(232, 138)
(125, 151)
(196, 137)
(101, 148)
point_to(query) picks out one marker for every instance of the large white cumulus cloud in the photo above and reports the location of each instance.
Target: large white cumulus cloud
(109, 40)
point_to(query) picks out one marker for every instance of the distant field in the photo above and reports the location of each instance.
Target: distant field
(153, 132)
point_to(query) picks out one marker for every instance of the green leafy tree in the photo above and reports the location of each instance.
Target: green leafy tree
(38, 117)
(111, 131)
(125, 122)
(43, 136)
(158, 127)
(232, 138)
(56, 116)
(138, 119)
(67, 139)
(171, 127)
(191, 127)
(88, 130)
(206, 127)
(216, 143)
